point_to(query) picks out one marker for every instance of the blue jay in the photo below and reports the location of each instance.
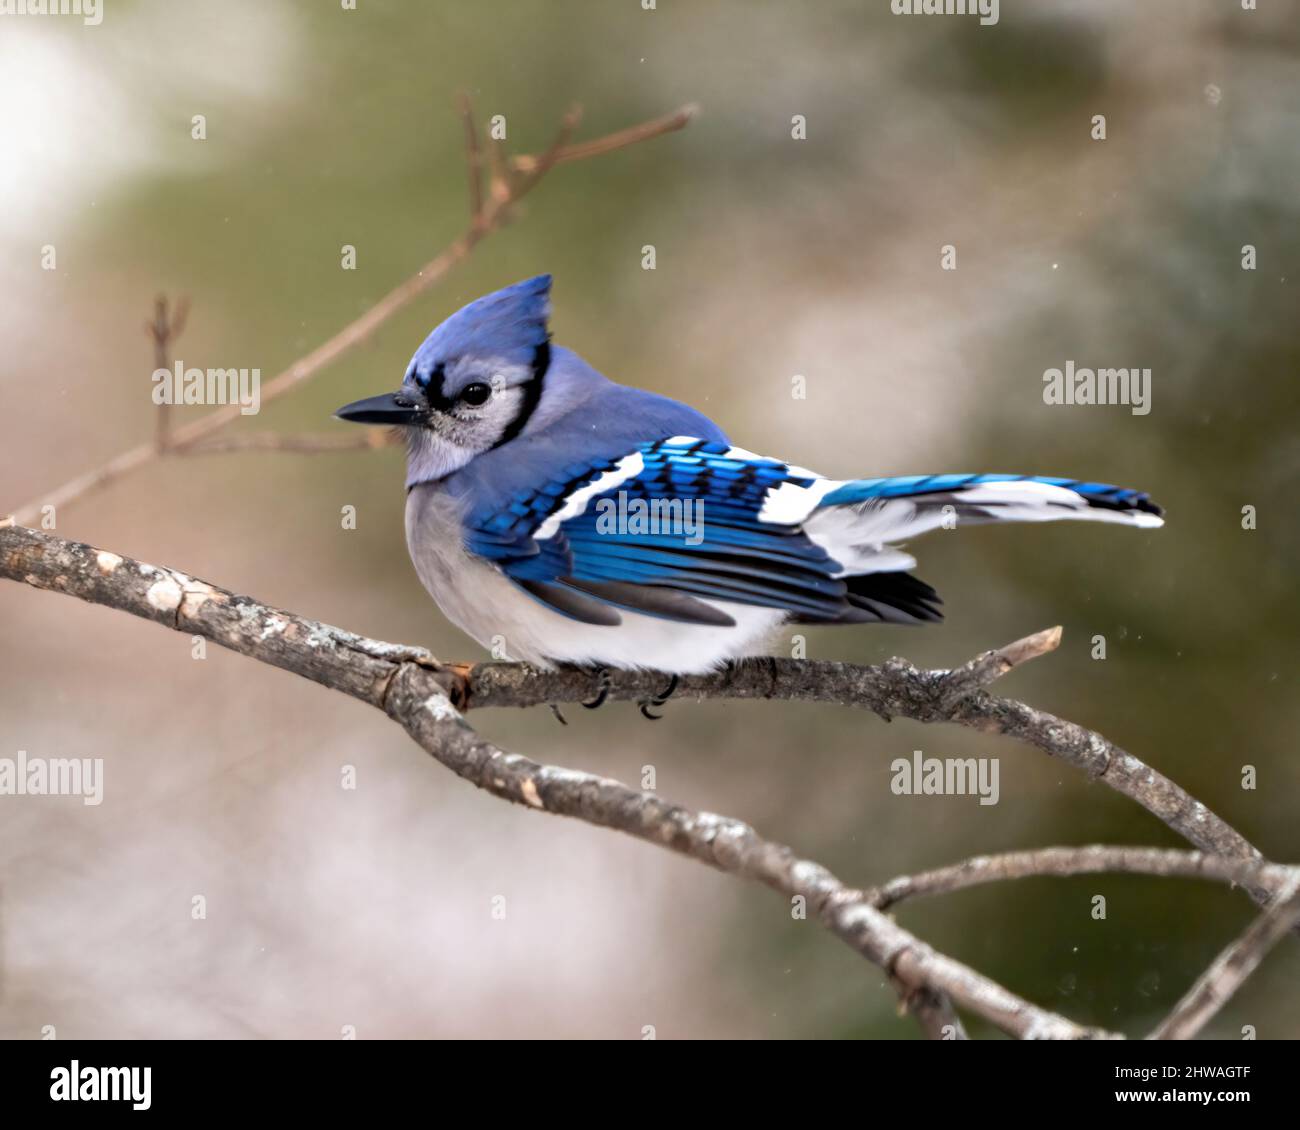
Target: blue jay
(518, 449)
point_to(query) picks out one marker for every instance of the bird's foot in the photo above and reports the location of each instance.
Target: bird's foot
(663, 696)
(603, 683)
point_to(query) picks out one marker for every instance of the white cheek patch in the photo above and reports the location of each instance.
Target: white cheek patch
(476, 428)
(452, 439)
(432, 455)
(497, 414)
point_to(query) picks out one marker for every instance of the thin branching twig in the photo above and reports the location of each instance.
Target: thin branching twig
(1093, 859)
(510, 183)
(1230, 969)
(302, 443)
(165, 327)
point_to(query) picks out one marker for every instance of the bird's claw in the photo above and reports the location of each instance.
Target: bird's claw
(646, 703)
(603, 682)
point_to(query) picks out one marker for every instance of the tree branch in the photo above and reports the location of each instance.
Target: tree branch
(423, 696)
(893, 689)
(165, 328)
(721, 842)
(427, 699)
(633, 135)
(1231, 968)
(1091, 860)
(961, 683)
(473, 159)
(486, 217)
(933, 1012)
(302, 443)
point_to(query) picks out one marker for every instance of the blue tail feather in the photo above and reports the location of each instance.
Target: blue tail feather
(1100, 495)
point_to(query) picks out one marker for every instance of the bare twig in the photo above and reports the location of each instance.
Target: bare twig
(473, 160)
(1227, 972)
(678, 119)
(417, 692)
(1091, 860)
(502, 174)
(301, 443)
(984, 669)
(495, 214)
(933, 1011)
(163, 330)
(543, 164)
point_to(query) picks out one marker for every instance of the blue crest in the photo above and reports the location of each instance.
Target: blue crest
(509, 324)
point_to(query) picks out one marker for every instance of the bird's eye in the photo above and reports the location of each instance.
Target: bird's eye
(476, 394)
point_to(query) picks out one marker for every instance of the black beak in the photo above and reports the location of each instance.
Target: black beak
(391, 408)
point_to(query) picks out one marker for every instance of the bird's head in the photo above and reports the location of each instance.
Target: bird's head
(473, 384)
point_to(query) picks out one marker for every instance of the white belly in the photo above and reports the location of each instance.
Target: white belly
(488, 606)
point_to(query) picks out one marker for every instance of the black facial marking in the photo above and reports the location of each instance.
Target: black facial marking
(432, 387)
(532, 391)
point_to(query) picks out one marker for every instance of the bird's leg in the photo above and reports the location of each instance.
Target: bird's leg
(603, 682)
(563, 721)
(659, 699)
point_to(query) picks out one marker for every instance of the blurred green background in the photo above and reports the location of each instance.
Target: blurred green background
(775, 257)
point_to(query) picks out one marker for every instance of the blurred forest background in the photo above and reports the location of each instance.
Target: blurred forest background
(775, 257)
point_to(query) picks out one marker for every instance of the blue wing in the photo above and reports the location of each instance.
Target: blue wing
(677, 525)
(661, 531)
